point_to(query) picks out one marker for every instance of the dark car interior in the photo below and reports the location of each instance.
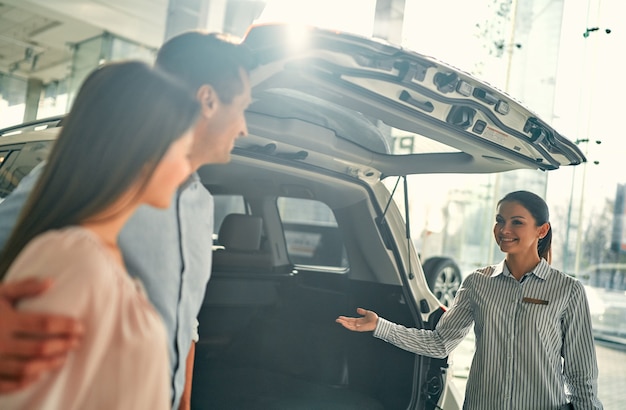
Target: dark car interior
(268, 337)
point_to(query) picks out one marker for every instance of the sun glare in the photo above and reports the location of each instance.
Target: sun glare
(354, 16)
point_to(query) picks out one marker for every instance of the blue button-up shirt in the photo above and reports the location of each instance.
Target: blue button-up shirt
(169, 250)
(534, 345)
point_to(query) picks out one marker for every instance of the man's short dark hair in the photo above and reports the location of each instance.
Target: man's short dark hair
(197, 58)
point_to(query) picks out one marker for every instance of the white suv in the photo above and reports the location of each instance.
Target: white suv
(306, 228)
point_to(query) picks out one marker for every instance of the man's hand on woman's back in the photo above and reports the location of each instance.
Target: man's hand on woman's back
(31, 343)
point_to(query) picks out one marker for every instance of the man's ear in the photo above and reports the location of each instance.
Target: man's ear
(208, 99)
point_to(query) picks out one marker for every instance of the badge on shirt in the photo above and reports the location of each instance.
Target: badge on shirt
(535, 301)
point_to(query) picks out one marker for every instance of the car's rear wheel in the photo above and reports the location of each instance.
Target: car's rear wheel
(443, 277)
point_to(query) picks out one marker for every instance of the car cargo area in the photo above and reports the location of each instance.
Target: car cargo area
(269, 341)
(268, 337)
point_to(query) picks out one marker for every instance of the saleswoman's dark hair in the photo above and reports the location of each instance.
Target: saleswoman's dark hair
(123, 120)
(539, 210)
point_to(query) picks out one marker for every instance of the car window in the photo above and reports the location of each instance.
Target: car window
(8, 181)
(17, 161)
(4, 159)
(312, 234)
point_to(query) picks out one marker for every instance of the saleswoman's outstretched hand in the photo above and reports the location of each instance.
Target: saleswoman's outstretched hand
(367, 323)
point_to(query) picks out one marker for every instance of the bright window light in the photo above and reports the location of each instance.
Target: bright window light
(353, 16)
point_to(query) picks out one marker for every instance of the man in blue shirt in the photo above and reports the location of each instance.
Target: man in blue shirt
(169, 250)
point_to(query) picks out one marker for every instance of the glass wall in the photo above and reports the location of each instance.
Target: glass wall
(12, 99)
(89, 54)
(57, 96)
(54, 99)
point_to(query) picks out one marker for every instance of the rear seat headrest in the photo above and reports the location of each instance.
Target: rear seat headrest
(241, 232)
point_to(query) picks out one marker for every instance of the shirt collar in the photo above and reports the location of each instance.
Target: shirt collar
(194, 177)
(500, 269)
(542, 270)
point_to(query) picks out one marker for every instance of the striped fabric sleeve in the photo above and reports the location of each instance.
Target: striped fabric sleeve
(580, 366)
(439, 343)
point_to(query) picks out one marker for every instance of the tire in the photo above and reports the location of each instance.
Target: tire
(443, 277)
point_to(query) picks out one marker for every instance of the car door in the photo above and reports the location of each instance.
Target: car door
(393, 111)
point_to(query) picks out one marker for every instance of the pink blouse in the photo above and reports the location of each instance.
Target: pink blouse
(122, 361)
